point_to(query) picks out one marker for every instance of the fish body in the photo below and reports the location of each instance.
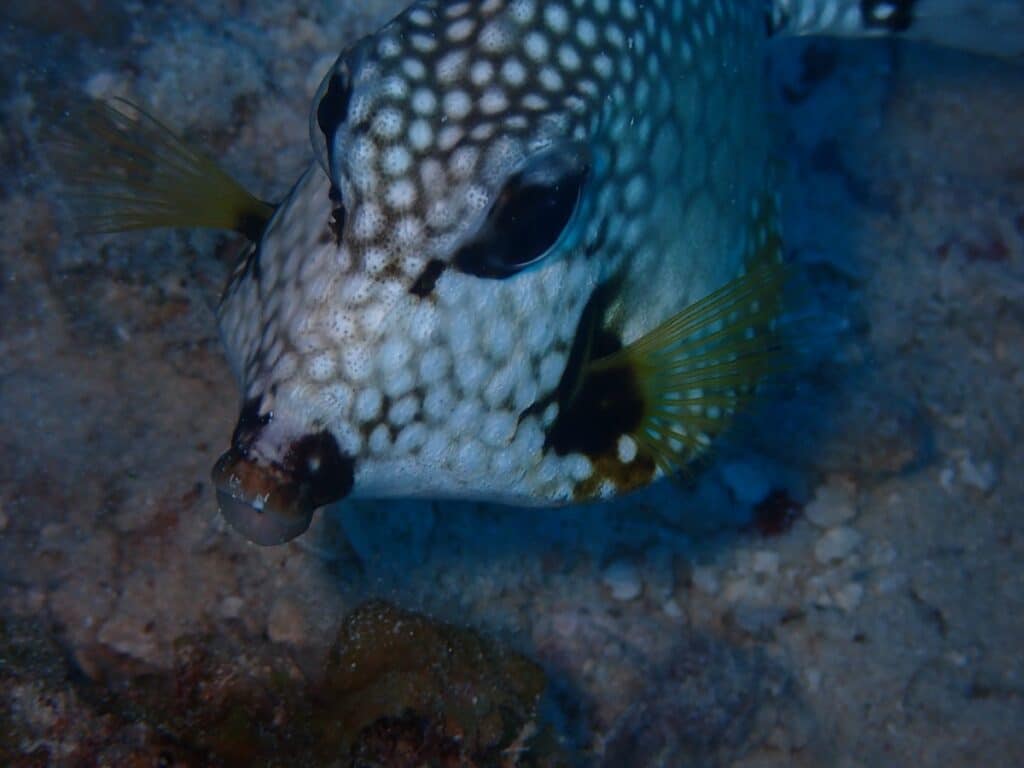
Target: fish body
(536, 261)
(434, 369)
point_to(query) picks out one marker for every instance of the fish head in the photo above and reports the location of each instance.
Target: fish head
(404, 324)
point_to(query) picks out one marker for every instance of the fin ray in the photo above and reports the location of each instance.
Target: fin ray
(700, 366)
(128, 171)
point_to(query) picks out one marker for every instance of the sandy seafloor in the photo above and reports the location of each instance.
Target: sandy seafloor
(842, 585)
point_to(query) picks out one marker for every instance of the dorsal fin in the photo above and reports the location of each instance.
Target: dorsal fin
(988, 27)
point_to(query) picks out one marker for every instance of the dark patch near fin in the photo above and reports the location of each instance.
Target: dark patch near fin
(337, 222)
(252, 225)
(607, 405)
(254, 263)
(890, 15)
(817, 64)
(428, 278)
(594, 409)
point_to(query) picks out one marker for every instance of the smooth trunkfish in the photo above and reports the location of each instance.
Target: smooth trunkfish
(536, 261)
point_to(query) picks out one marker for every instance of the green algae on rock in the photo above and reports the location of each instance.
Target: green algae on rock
(407, 690)
(398, 689)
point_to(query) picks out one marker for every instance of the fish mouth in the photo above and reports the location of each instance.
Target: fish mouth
(260, 502)
(270, 503)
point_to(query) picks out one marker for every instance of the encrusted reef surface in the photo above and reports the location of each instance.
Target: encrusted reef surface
(841, 585)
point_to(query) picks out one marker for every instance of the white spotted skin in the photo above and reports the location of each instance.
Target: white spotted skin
(448, 395)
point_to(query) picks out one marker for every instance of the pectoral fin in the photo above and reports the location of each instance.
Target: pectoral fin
(126, 170)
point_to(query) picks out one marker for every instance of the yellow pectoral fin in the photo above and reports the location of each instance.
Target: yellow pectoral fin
(695, 370)
(126, 170)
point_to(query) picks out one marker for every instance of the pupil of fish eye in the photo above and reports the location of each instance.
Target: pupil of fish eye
(313, 464)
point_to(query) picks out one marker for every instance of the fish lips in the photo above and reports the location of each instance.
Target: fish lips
(273, 503)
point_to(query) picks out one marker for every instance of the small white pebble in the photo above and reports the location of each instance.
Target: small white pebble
(765, 562)
(101, 85)
(813, 677)
(981, 476)
(890, 583)
(739, 590)
(672, 609)
(566, 623)
(623, 579)
(849, 597)
(832, 505)
(231, 607)
(837, 544)
(286, 623)
(946, 477)
(705, 580)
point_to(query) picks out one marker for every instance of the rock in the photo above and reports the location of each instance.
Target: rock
(833, 504)
(890, 583)
(705, 579)
(947, 476)
(981, 476)
(876, 433)
(765, 562)
(812, 676)
(749, 480)
(849, 597)
(623, 579)
(131, 636)
(837, 544)
(566, 623)
(399, 684)
(739, 590)
(706, 706)
(99, 20)
(757, 619)
(672, 609)
(231, 607)
(286, 623)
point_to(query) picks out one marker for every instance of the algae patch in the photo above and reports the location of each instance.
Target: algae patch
(397, 689)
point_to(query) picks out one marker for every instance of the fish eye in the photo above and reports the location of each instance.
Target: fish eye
(330, 109)
(528, 217)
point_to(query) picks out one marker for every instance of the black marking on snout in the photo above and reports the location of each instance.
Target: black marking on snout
(271, 502)
(338, 216)
(250, 423)
(890, 15)
(424, 285)
(317, 465)
(252, 225)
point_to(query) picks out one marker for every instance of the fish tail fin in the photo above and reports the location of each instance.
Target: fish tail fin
(698, 368)
(989, 27)
(126, 170)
